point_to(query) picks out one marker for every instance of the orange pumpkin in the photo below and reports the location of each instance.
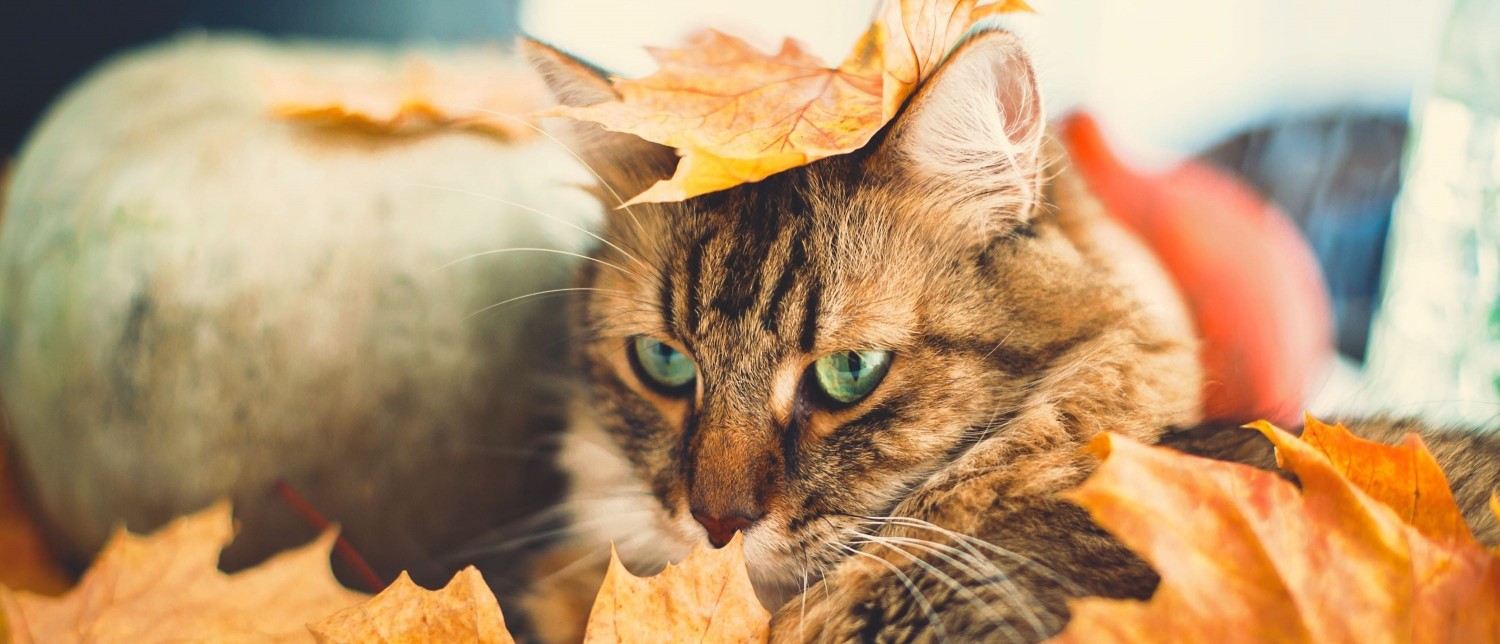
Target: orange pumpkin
(1250, 279)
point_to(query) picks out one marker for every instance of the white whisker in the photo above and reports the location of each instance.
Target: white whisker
(566, 148)
(555, 290)
(922, 602)
(594, 554)
(973, 598)
(535, 250)
(969, 542)
(542, 535)
(802, 623)
(513, 204)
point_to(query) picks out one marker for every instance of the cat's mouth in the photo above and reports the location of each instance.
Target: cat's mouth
(782, 564)
(779, 567)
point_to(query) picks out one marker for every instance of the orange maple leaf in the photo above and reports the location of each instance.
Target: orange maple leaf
(1406, 478)
(1244, 555)
(737, 115)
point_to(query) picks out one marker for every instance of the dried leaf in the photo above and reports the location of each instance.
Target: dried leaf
(463, 611)
(915, 35)
(1405, 478)
(484, 93)
(167, 587)
(706, 598)
(737, 115)
(1244, 555)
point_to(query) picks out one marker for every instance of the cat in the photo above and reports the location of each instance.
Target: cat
(864, 363)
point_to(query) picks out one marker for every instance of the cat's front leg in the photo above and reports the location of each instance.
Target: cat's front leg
(979, 555)
(918, 596)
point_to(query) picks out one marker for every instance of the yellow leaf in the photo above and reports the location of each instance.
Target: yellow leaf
(167, 587)
(737, 115)
(484, 92)
(700, 173)
(915, 35)
(1245, 555)
(463, 611)
(706, 598)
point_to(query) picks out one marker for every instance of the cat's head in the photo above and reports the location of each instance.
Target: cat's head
(790, 357)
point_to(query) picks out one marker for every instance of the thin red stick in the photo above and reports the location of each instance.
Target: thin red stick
(372, 581)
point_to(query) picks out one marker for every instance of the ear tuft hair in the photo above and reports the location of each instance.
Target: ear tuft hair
(626, 163)
(573, 82)
(974, 130)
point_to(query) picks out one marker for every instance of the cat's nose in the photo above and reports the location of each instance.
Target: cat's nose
(722, 528)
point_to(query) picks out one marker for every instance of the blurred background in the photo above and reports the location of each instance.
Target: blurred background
(1308, 101)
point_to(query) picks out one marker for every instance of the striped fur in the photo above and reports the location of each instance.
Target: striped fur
(1022, 321)
(972, 257)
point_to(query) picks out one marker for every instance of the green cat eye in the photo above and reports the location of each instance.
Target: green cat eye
(848, 376)
(661, 365)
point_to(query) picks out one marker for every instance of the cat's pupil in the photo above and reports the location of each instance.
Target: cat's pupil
(662, 366)
(848, 376)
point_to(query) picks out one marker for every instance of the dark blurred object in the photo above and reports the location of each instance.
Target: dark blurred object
(1337, 177)
(47, 44)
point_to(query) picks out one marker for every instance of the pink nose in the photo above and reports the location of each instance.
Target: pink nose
(722, 529)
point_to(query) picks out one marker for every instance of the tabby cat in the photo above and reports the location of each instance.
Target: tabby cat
(879, 368)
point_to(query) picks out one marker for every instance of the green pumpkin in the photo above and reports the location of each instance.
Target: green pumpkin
(198, 299)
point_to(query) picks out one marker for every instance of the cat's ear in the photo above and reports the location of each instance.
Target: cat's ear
(974, 130)
(626, 163)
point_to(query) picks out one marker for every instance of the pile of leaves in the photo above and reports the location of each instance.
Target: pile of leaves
(1371, 547)
(167, 587)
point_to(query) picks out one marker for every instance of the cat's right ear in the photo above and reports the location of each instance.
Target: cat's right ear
(626, 163)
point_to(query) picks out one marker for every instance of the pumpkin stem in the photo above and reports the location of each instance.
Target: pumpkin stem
(367, 575)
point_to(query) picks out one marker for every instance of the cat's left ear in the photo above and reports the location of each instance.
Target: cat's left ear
(974, 130)
(625, 164)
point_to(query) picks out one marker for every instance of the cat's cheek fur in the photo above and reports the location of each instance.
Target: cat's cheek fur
(609, 503)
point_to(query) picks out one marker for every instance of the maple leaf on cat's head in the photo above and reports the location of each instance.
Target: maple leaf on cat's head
(1370, 547)
(738, 115)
